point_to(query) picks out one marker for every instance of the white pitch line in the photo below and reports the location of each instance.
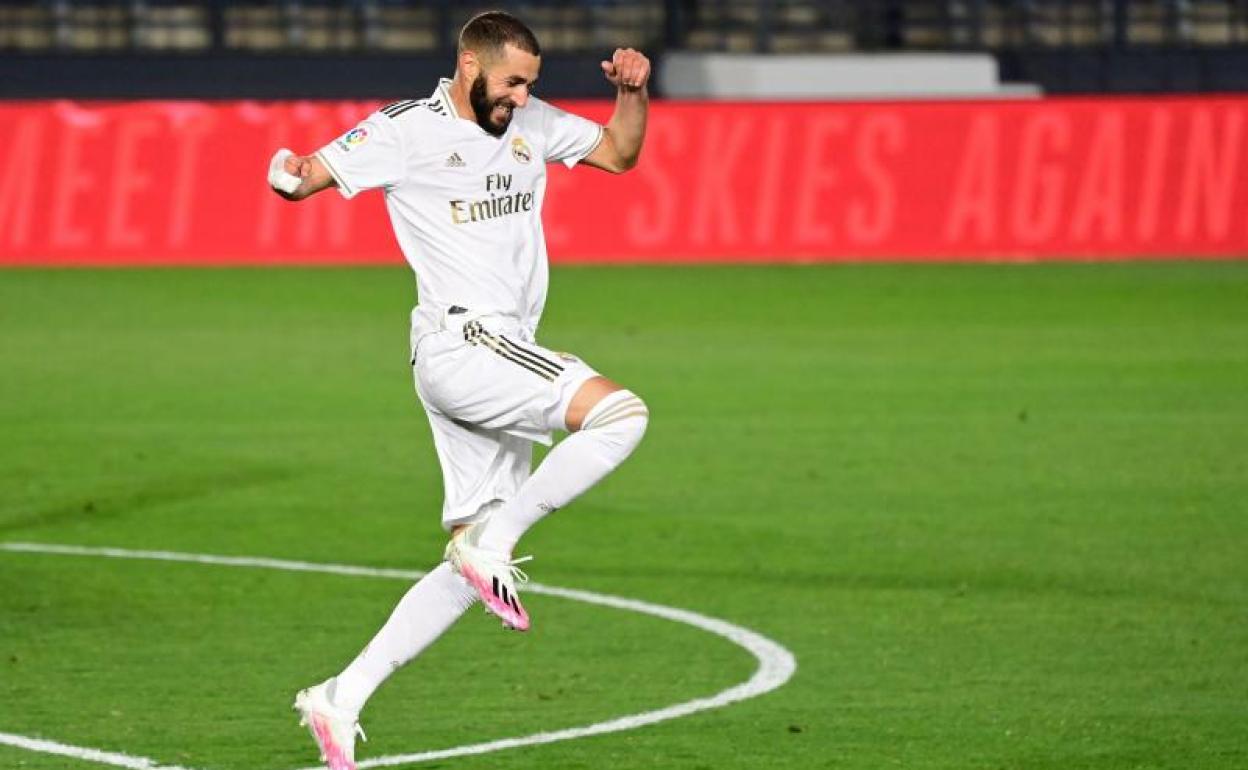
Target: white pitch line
(776, 664)
(77, 752)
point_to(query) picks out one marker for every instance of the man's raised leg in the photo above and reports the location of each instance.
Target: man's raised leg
(607, 423)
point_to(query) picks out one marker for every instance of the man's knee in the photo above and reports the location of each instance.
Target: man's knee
(620, 416)
(587, 396)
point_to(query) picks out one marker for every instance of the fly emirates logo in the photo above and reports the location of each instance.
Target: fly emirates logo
(500, 203)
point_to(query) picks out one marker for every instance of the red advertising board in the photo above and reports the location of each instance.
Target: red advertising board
(183, 182)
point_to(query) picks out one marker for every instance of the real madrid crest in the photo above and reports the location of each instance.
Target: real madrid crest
(520, 151)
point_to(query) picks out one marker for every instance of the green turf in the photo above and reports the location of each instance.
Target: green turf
(999, 514)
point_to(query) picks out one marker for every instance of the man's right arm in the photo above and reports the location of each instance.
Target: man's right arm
(310, 172)
(368, 157)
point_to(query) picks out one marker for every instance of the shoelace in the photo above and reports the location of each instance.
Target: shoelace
(518, 575)
(499, 564)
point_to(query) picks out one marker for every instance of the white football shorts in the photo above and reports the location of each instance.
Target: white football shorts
(489, 392)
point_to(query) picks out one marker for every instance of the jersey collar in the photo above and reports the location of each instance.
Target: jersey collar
(443, 93)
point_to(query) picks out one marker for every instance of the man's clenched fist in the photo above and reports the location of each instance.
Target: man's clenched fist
(628, 69)
(287, 170)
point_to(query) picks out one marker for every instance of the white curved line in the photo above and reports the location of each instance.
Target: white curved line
(776, 664)
(77, 752)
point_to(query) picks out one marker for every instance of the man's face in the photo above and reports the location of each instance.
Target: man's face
(502, 85)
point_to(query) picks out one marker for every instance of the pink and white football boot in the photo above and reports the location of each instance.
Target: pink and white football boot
(492, 574)
(332, 728)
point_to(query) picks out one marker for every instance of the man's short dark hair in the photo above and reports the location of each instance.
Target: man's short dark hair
(487, 33)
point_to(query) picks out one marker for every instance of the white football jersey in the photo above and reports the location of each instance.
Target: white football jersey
(466, 206)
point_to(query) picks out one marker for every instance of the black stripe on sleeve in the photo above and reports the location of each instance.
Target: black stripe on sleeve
(399, 106)
(400, 110)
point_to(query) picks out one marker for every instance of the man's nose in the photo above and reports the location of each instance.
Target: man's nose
(520, 95)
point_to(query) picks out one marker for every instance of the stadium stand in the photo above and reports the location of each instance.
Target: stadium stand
(1062, 45)
(743, 26)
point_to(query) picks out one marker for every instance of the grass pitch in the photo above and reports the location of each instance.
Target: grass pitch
(999, 514)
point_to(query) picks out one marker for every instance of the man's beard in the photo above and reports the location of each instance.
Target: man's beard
(482, 107)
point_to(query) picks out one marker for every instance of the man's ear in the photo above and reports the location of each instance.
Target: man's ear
(469, 64)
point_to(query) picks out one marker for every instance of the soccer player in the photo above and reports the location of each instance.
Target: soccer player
(463, 172)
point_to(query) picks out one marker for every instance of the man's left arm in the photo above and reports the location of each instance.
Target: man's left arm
(622, 137)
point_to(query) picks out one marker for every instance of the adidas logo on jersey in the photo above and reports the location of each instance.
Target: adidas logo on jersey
(455, 161)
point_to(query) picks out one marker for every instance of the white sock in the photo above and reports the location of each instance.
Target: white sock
(424, 613)
(609, 434)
